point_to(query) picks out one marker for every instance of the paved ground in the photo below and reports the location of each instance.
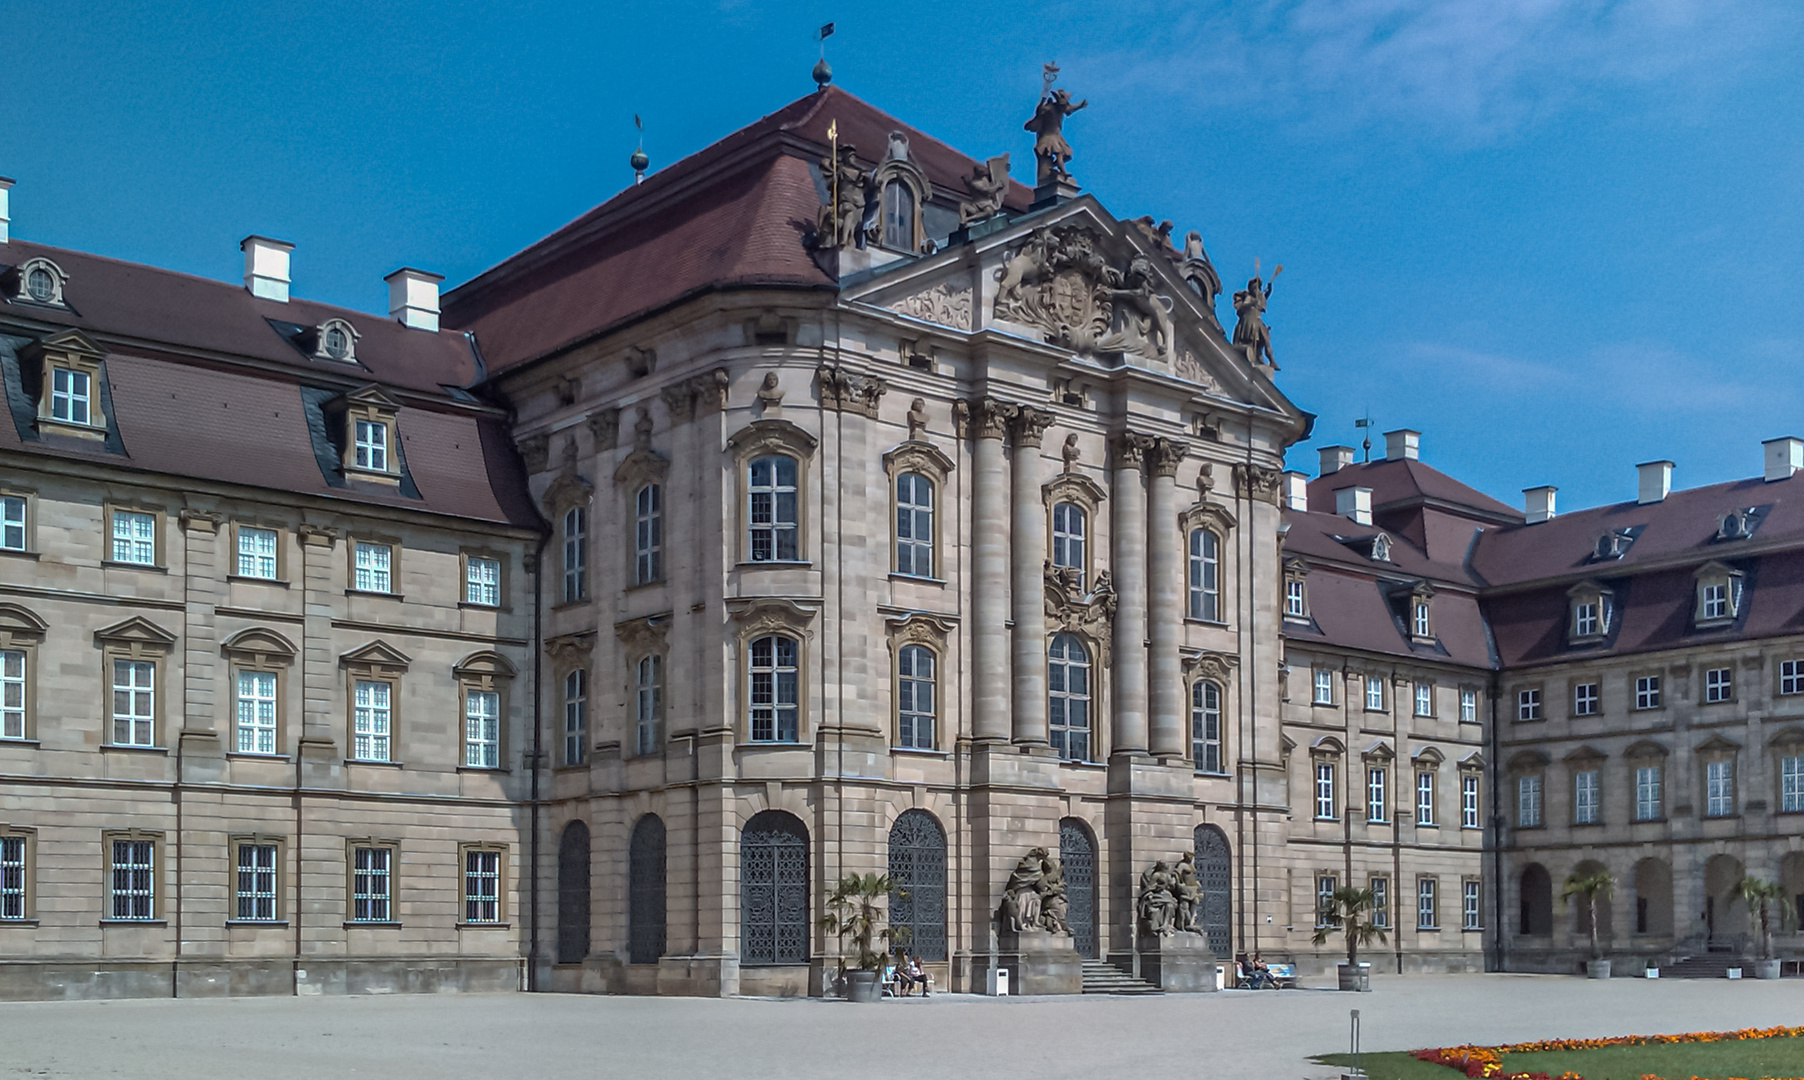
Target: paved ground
(1262, 1035)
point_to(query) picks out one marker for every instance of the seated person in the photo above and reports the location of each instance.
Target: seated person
(904, 982)
(916, 976)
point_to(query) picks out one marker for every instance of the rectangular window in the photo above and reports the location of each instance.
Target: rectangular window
(914, 697)
(1647, 793)
(372, 884)
(1468, 705)
(1469, 917)
(1421, 619)
(1714, 601)
(1528, 704)
(482, 581)
(1205, 726)
(1325, 914)
(1424, 699)
(12, 693)
(648, 704)
(1424, 797)
(648, 534)
(1719, 788)
(772, 513)
(1374, 693)
(12, 523)
(1468, 802)
(1428, 913)
(1205, 576)
(1718, 685)
(1293, 599)
(134, 537)
(12, 877)
(576, 554)
(482, 729)
(133, 885)
(372, 568)
(69, 395)
(256, 889)
(1528, 801)
(775, 689)
(1381, 902)
(1585, 621)
(1324, 686)
(1791, 783)
(482, 886)
(134, 702)
(1647, 692)
(914, 525)
(1375, 801)
(576, 716)
(256, 552)
(372, 445)
(256, 712)
(1584, 797)
(1324, 791)
(1791, 676)
(1584, 699)
(370, 721)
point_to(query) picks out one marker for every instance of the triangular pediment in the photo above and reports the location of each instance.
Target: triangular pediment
(372, 396)
(377, 653)
(136, 630)
(71, 343)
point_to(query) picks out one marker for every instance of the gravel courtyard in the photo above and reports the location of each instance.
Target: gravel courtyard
(1235, 1034)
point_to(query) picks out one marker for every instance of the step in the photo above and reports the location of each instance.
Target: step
(1708, 966)
(1105, 978)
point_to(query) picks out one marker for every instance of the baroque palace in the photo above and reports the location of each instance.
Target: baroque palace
(828, 502)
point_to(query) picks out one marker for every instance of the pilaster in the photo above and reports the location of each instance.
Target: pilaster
(1165, 607)
(1029, 554)
(1128, 558)
(989, 585)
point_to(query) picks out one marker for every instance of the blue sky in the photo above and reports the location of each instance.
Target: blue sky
(1558, 236)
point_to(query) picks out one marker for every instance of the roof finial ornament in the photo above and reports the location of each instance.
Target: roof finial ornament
(823, 71)
(1366, 423)
(1051, 151)
(639, 161)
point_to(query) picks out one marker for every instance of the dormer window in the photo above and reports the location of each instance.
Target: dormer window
(1381, 548)
(901, 188)
(1738, 524)
(1419, 622)
(1614, 544)
(335, 339)
(39, 285)
(40, 281)
(1718, 596)
(69, 401)
(372, 445)
(1592, 609)
(898, 214)
(369, 437)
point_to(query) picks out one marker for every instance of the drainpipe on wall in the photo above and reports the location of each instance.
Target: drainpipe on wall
(536, 570)
(1495, 837)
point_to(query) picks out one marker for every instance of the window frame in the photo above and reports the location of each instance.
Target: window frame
(775, 490)
(775, 670)
(1089, 697)
(1377, 794)
(239, 670)
(1644, 771)
(1791, 757)
(484, 673)
(355, 548)
(500, 877)
(109, 840)
(158, 549)
(278, 555)
(1380, 884)
(1471, 806)
(22, 631)
(1325, 887)
(1525, 783)
(1472, 908)
(1202, 577)
(763, 438)
(27, 841)
(1296, 597)
(467, 562)
(923, 459)
(1468, 705)
(648, 703)
(913, 544)
(1719, 685)
(1648, 693)
(1726, 807)
(1323, 793)
(235, 868)
(475, 701)
(372, 406)
(1428, 902)
(1374, 689)
(648, 533)
(392, 693)
(391, 874)
(1426, 792)
(908, 733)
(1587, 796)
(1061, 535)
(575, 707)
(370, 451)
(1423, 694)
(26, 523)
(1322, 686)
(1528, 705)
(134, 667)
(1587, 698)
(1202, 711)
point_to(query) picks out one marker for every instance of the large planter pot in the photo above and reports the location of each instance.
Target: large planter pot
(1766, 969)
(1597, 969)
(862, 986)
(1355, 976)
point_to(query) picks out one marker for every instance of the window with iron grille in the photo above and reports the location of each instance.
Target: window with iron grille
(914, 525)
(256, 552)
(772, 510)
(1205, 726)
(645, 891)
(917, 872)
(1205, 575)
(133, 886)
(482, 886)
(773, 883)
(256, 887)
(12, 877)
(372, 884)
(648, 534)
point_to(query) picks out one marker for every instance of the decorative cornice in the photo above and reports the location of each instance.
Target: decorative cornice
(917, 455)
(919, 628)
(639, 468)
(1218, 666)
(767, 614)
(201, 520)
(1029, 425)
(318, 535)
(1257, 482)
(1130, 449)
(564, 492)
(990, 417)
(1165, 456)
(570, 650)
(1071, 610)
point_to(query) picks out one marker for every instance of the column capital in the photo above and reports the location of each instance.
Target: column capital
(1166, 455)
(988, 418)
(1130, 449)
(1029, 425)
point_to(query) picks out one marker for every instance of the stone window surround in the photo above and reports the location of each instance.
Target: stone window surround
(921, 457)
(1718, 749)
(159, 869)
(1415, 697)
(280, 843)
(503, 592)
(393, 847)
(1325, 750)
(1427, 760)
(758, 617)
(1472, 767)
(1528, 763)
(391, 541)
(73, 350)
(1539, 703)
(1295, 571)
(932, 633)
(1477, 700)
(568, 653)
(1716, 573)
(1572, 688)
(1101, 706)
(1583, 759)
(641, 467)
(136, 639)
(29, 917)
(905, 172)
(649, 636)
(1641, 754)
(159, 560)
(1421, 594)
(378, 662)
(481, 671)
(369, 403)
(1217, 668)
(29, 495)
(1215, 519)
(503, 873)
(757, 439)
(59, 281)
(1786, 742)
(1659, 691)
(257, 650)
(1590, 592)
(282, 544)
(318, 338)
(23, 630)
(1085, 494)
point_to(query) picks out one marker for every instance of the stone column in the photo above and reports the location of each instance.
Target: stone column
(1127, 555)
(989, 586)
(322, 707)
(1028, 550)
(1166, 588)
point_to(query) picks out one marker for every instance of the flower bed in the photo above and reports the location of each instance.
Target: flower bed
(1486, 1062)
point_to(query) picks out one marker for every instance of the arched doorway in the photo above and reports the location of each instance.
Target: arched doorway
(1581, 919)
(1536, 901)
(773, 890)
(1791, 875)
(1653, 898)
(1215, 873)
(1077, 858)
(645, 891)
(917, 870)
(573, 894)
(1725, 918)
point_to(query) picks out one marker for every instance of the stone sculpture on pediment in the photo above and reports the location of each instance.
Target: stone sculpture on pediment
(1062, 283)
(1143, 322)
(1198, 271)
(1070, 609)
(942, 304)
(988, 184)
(1159, 236)
(1250, 332)
(837, 224)
(1186, 366)
(1051, 151)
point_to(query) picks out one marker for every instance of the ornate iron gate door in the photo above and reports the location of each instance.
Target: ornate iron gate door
(1215, 873)
(645, 891)
(917, 867)
(573, 894)
(773, 868)
(1077, 856)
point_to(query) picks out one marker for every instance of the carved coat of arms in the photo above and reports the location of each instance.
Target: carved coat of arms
(1060, 282)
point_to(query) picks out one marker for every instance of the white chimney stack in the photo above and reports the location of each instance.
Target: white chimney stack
(1783, 456)
(1296, 490)
(1403, 444)
(266, 267)
(1355, 503)
(1538, 502)
(413, 297)
(1654, 481)
(6, 214)
(1335, 458)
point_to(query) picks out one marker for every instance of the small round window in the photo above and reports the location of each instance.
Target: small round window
(40, 285)
(337, 343)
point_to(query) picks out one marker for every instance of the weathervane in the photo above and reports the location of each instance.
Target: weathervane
(1366, 423)
(639, 161)
(823, 71)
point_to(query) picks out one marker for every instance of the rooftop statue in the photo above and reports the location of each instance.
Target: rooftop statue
(837, 224)
(1051, 151)
(1250, 332)
(989, 185)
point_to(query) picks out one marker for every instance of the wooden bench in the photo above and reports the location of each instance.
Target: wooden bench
(1285, 975)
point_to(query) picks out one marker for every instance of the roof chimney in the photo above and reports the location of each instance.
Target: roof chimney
(1783, 456)
(1335, 458)
(1296, 490)
(266, 267)
(6, 216)
(1538, 503)
(1655, 481)
(1355, 503)
(1402, 445)
(413, 297)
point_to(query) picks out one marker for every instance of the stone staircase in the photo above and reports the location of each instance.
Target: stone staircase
(1105, 978)
(1711, 965)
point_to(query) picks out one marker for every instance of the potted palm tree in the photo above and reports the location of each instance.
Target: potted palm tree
(854, 913)
(1350, 910)
(1588, 887)
(1759, 896)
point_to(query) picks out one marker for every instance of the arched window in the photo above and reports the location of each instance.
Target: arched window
(648, 703)
(576, 716)
(1205, 575)
(914, 525)
(1077, 860)
(898, 216)
(914, 697)
(1068, 537)
(917, 873)
(773, 890)
(648, 535)
(645, 891)
(40, 284)
(576, 554)
(772, 509)
(1068, 693)
(774, 688)
(1215, 875)
(573, 894)
(1205, 725)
